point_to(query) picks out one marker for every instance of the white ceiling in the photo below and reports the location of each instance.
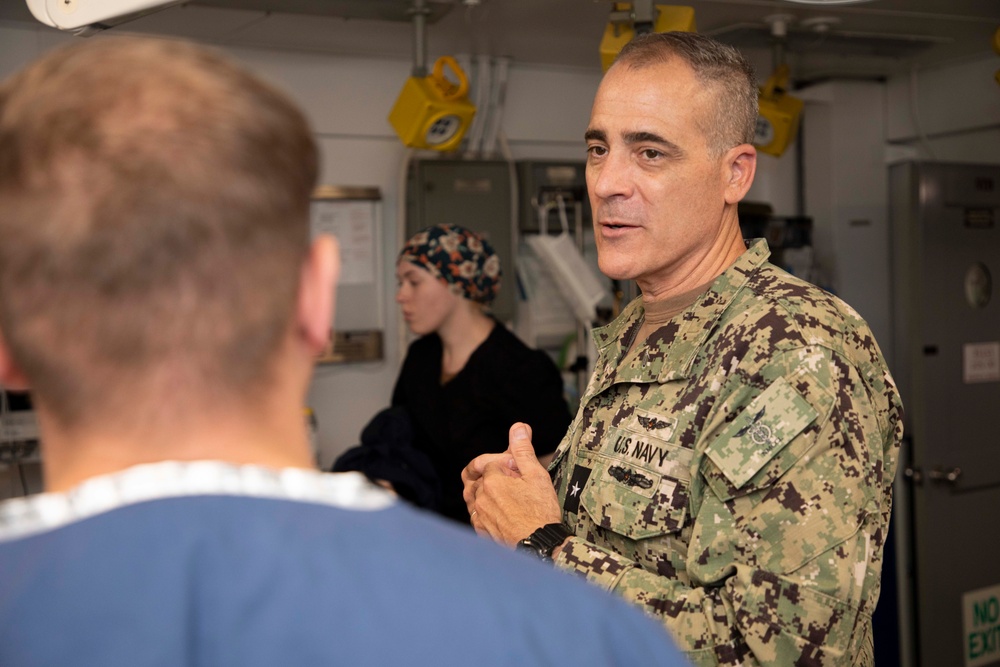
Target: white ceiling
(875, 39)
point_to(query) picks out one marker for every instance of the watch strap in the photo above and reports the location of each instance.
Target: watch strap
(544, 541)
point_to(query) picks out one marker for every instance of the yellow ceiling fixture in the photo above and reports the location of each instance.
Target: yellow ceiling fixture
(432, 111)
(631, 18)
(996, 47)
(778, 112)
(778, 115)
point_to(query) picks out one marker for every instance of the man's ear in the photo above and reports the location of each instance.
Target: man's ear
(11, 375)
(317, 289)
(739, 166)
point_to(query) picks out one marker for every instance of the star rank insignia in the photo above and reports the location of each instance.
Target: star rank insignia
(576, 483)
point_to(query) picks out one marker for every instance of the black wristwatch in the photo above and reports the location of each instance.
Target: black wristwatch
(544, 541)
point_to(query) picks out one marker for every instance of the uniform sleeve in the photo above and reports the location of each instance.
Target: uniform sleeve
(789, 509)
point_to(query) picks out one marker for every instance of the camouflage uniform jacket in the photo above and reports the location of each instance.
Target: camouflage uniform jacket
(733, 474)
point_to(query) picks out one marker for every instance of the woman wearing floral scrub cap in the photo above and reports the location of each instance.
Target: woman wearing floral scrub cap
(466, 379)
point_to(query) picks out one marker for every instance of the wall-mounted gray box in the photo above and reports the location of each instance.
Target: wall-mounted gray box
(541, 181)
(474, 194)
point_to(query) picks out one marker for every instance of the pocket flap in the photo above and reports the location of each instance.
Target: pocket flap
(634, 501)
(765, 426)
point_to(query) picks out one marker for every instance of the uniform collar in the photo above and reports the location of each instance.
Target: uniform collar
(672, 359)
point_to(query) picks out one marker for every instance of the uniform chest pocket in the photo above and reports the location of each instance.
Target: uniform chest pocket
(632, 500)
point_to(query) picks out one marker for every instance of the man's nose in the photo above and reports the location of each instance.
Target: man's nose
(611, 178)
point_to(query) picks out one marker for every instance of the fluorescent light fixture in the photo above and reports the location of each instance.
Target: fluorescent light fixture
(85, 17)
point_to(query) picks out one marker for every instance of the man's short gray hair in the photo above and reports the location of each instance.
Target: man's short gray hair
(719, 66)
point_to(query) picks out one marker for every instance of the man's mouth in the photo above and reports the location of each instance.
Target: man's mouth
(617, 225)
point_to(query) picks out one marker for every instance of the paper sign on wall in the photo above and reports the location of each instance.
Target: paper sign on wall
(353, 223)
(981, 362)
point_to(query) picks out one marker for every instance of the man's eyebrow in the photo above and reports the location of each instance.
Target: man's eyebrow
(651, 138)
(641, 137)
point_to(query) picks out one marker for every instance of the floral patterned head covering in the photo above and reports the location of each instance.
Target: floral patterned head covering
(458, 256)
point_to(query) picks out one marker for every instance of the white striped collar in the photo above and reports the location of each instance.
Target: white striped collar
(21, 517)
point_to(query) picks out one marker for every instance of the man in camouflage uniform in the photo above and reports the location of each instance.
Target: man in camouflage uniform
(730, 467)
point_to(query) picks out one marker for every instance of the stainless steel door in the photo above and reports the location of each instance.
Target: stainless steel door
(946, 319)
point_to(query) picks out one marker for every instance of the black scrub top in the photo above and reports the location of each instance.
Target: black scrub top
(503, 382)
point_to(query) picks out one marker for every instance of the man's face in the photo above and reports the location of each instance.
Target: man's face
(656, 191)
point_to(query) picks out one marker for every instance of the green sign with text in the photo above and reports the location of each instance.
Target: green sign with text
(981, 625)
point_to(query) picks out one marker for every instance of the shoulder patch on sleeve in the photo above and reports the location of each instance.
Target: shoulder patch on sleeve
(767, 424)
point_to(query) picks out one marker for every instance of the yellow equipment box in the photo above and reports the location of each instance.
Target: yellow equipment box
(778, 115)
(431, 111)
(669, 18)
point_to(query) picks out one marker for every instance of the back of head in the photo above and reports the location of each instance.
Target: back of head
(154, 215)
(719, 66)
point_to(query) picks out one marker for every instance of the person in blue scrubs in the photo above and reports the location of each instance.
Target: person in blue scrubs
(161, 298)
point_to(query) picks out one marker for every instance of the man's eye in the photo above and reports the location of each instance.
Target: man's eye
(651, 154)
(597, 151)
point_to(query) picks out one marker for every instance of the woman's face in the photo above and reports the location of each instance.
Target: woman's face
(427, 303)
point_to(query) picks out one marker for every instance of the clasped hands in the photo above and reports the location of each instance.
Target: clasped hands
(510, 495)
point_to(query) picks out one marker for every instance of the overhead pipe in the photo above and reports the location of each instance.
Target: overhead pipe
(420, 13)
